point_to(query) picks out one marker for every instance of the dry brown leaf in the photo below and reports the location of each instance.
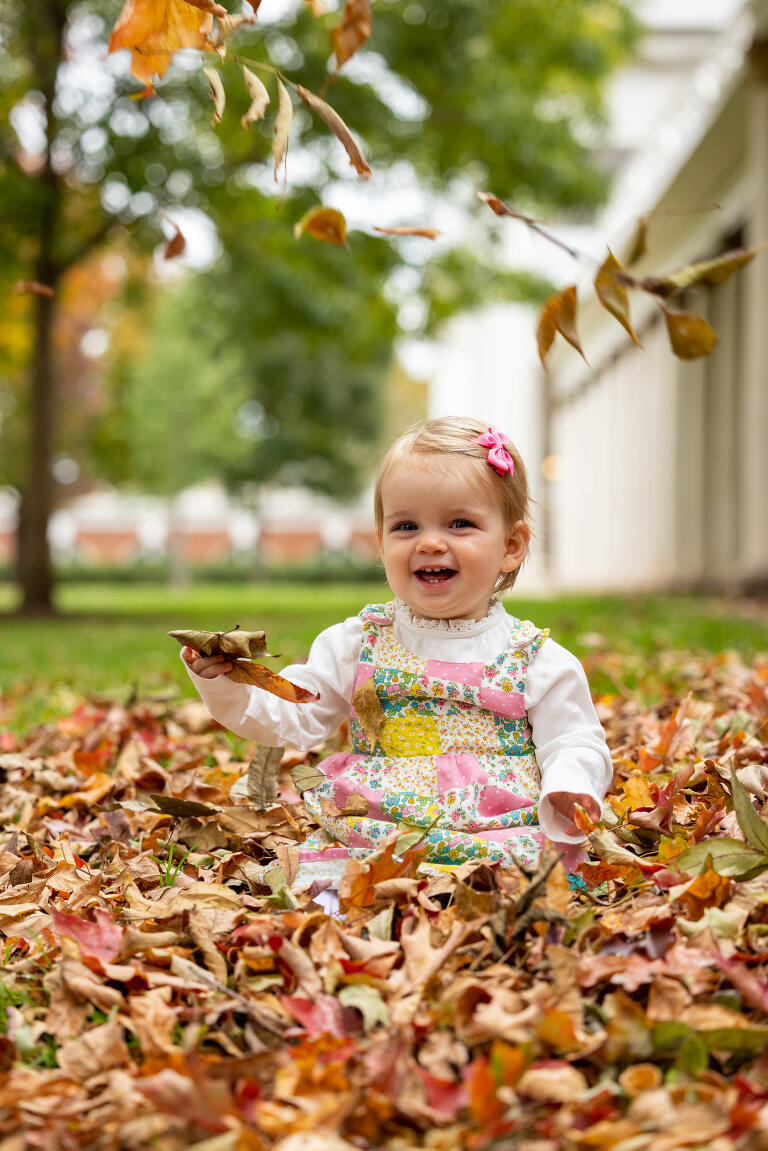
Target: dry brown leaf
(237, 643)
(427, 233)
(208, 6)
(283, 122)
(154, 1020)
(218, 95)
(612, 293)
(709, 272)
(176, 245)
(263, 774)
(256, 673)
(367, 707)
(690, 335)
(226, 26)
(325, 224)
(339, 129)
(559, 315)
(152, 30)
(305, 777)
(258, 95)
(33, 288)
(353, 31)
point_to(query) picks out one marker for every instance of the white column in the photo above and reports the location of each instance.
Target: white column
(754, 426)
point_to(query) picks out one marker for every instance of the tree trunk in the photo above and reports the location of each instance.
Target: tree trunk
(34, 566)
(46, 23)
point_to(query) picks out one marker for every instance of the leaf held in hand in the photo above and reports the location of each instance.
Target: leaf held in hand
(427, 233)
(283, 122)
(559, 315)
(353, 31)
(256, 673)
(325, 224)
(612, 293)
(367, 707)
(340, 130)
(218, 95)
(259, 97)
(153, 30)
(690, 335)
(236, 643)
(305, 777)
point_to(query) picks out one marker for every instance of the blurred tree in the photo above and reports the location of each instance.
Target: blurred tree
(495, 94)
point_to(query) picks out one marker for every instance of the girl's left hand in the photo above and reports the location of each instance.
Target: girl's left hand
(564, 803)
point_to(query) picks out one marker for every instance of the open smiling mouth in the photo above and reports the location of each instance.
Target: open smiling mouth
(434, 576)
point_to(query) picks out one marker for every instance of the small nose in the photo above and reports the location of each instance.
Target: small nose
(431, 542)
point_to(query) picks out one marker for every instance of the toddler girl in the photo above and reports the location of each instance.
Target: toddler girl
(489, 737)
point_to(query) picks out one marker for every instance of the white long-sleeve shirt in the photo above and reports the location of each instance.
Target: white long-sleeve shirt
(570, 744)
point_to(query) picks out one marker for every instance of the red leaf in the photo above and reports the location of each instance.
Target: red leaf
(101, 939)
(322, 1016)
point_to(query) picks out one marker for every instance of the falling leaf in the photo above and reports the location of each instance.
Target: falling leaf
(259, 97)
(176, 245)
(236, 643)
(263, 772)
(639, 245)
(353, 31)
(339, 129)
(33, 287)
(325, 224)
(283, 122)
(709, 272)
(612, 293)
(690, 335)
(559, 315)
(153, 30)
(427, 233)
(208, 6)
(305, 777)
(218, 94)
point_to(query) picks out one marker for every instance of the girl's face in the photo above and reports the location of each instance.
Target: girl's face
(443, 542)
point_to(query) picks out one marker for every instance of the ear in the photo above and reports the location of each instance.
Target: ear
(517, 547)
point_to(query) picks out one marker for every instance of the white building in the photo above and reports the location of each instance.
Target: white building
(657, 468)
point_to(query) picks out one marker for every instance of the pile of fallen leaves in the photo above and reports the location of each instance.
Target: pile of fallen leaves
(156, 993)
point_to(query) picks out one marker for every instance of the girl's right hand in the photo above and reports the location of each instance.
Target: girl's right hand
(206, 666)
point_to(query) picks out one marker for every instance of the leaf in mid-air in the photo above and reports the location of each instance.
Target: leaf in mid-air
(218, 95)
(559, 315)
(404, 230)
(612, 293)
(325, 224)
(340, 130)
(259, 97)
(690, 335)
(283, 122)
(353, 31)
(153, 30)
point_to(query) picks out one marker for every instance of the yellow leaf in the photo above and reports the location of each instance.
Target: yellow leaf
(283, 122)
(325, 224)
(258, 95)
(559, 315)
(690, 335)
(153, 30)
(612, 293)
(353, 31)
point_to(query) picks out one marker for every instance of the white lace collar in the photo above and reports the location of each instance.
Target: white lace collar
(446, 627)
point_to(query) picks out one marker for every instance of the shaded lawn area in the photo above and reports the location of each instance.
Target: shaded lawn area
(110, 638)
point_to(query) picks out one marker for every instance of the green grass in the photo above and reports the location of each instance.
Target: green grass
(111, 638)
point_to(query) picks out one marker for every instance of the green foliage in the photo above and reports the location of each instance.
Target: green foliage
(270, 366)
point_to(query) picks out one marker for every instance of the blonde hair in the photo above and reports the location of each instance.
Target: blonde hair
(454, 436)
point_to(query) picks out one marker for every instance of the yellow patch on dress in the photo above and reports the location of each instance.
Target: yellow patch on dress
(414, 736)
(390, 653)
(474, 731)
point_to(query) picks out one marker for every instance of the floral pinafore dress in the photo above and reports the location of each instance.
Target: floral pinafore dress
(453, 755)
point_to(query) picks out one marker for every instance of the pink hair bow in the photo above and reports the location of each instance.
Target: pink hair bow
(498, 456)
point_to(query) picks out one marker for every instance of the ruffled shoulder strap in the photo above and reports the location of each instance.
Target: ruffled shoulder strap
(378, 614)
(526, 637)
